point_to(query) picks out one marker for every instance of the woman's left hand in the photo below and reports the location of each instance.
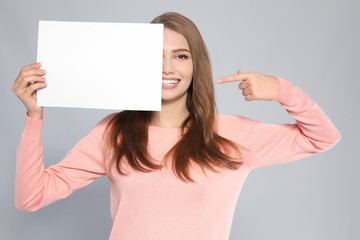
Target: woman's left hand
(254, 86)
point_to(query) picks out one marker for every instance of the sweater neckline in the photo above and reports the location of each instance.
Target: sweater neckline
(164, 133)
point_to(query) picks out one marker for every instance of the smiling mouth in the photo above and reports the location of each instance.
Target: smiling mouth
(170, 82)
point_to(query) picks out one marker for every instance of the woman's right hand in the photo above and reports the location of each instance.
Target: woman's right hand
(25, 87)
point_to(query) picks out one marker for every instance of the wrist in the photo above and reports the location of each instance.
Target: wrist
(36, 115)
(283, 94)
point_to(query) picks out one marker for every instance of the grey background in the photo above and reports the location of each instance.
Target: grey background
(314, 44)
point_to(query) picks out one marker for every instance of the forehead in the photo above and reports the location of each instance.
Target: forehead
(174, 40)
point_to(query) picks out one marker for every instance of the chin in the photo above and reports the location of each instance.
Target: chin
(171, 98)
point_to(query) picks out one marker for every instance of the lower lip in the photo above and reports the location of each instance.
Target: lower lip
(170, 86)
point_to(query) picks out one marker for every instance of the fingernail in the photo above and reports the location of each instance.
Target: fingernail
(219, 81)
(42, 71)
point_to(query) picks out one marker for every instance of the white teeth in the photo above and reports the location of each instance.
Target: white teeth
(170, 82)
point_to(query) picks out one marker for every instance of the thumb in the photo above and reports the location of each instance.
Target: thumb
(239, 72)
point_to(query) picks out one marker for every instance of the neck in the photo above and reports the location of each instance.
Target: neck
(172, 115)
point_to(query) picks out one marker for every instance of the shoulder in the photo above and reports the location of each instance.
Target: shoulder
(233, 127)
(227, 120)
(105, 121)
(100, 127)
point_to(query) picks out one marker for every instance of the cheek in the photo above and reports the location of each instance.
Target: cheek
(186, 70)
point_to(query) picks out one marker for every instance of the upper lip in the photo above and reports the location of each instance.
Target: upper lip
(169, 78)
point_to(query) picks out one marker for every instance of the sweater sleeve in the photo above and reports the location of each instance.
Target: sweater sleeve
(36, 187)
(277, 143)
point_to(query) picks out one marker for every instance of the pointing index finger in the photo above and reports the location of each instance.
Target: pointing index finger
(233, 78)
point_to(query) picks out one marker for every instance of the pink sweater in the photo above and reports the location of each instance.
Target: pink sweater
(158, 205)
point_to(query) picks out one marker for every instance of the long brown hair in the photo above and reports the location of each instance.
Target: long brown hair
(127, 131)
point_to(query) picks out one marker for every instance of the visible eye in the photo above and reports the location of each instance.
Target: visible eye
(182, 57)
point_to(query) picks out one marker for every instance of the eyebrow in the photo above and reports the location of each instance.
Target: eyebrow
(180, 50)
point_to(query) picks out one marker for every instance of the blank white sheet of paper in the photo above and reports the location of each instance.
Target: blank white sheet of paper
(115, 66)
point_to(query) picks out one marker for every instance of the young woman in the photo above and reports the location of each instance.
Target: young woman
(177, 173)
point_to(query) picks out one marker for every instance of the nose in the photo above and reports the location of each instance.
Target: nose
(167, 66)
